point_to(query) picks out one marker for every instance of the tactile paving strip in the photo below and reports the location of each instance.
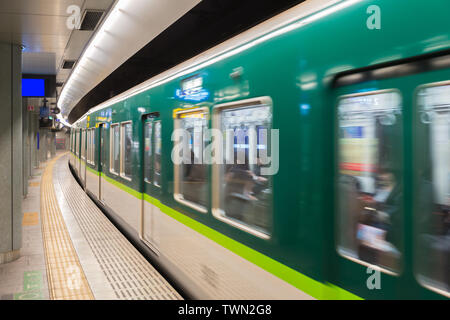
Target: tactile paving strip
(66, 279)
(128, 272)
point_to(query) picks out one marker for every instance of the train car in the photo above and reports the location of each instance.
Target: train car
(344, 126)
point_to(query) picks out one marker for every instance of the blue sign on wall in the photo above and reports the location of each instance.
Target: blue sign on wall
(33, 88)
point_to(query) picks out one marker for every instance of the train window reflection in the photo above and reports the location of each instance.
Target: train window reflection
(369, 180)
(77, 143)
(88, 146)
(244, 196)
(83, 144)
(192, 186)
(127, 142)
(158, 152)
(433, 209)
(93, 146)
(114, 165)
(148, 128)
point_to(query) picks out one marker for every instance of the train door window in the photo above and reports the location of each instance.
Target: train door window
(88, 146)
(242, 194)
(93, 146)
(114, 165)
(148, 130)
(77, 143)
(126, 143)
(157, 165)
(191, 181)
(432, 259)
(369, 179)
(83, 144)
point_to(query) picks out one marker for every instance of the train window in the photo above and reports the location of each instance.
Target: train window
(114, 165)
(126, 143)
(93, 146)
(191, 181)
(88, 143)
(243, 194)
(83, 144)
(148, 129)
(369, 180)
(158, 151)
(77, 143)
(432, 259)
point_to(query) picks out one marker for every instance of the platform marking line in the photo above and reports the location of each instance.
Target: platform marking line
(130, 275)
(32, 286)
(66, 279)
(30, 219)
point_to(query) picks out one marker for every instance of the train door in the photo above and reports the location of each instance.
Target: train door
(79, 152)
(392, 180)
(151, 176)
(83, 157)
(103, 158)
(369, 184)
(432, 187)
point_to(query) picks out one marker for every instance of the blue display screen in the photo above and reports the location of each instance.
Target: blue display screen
(33, 88)
(353, 132)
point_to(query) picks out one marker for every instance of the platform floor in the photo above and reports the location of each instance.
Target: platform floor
(71, 251)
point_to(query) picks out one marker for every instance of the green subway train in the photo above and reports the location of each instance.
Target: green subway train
(306, 158)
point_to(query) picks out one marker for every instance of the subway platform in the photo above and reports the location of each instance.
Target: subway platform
(71, 251)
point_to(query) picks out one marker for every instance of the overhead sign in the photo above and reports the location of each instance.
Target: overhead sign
(33, 88)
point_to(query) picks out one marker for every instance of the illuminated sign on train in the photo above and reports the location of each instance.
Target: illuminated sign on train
(192, 89)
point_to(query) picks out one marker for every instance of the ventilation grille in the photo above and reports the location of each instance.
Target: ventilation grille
(68, 64)
(90, 20)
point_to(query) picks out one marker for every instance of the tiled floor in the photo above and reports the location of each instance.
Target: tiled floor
(26, 278)
(113, 267)
(81, 256)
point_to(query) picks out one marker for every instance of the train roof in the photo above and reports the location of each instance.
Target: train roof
(291, 19)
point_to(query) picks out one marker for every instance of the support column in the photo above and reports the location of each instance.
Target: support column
(26, 148)
(43, 145)
(11, 189)
(35, 140)
(53, 143)
(67, 140)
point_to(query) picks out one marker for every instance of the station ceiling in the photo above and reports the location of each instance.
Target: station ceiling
(163, 33)
(40, 26)
(207, 24)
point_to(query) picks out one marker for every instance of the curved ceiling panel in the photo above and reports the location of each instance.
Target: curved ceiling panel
(130, 25)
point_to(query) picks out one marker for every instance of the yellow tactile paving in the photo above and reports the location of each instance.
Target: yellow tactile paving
(66, 279)
(30, 219)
